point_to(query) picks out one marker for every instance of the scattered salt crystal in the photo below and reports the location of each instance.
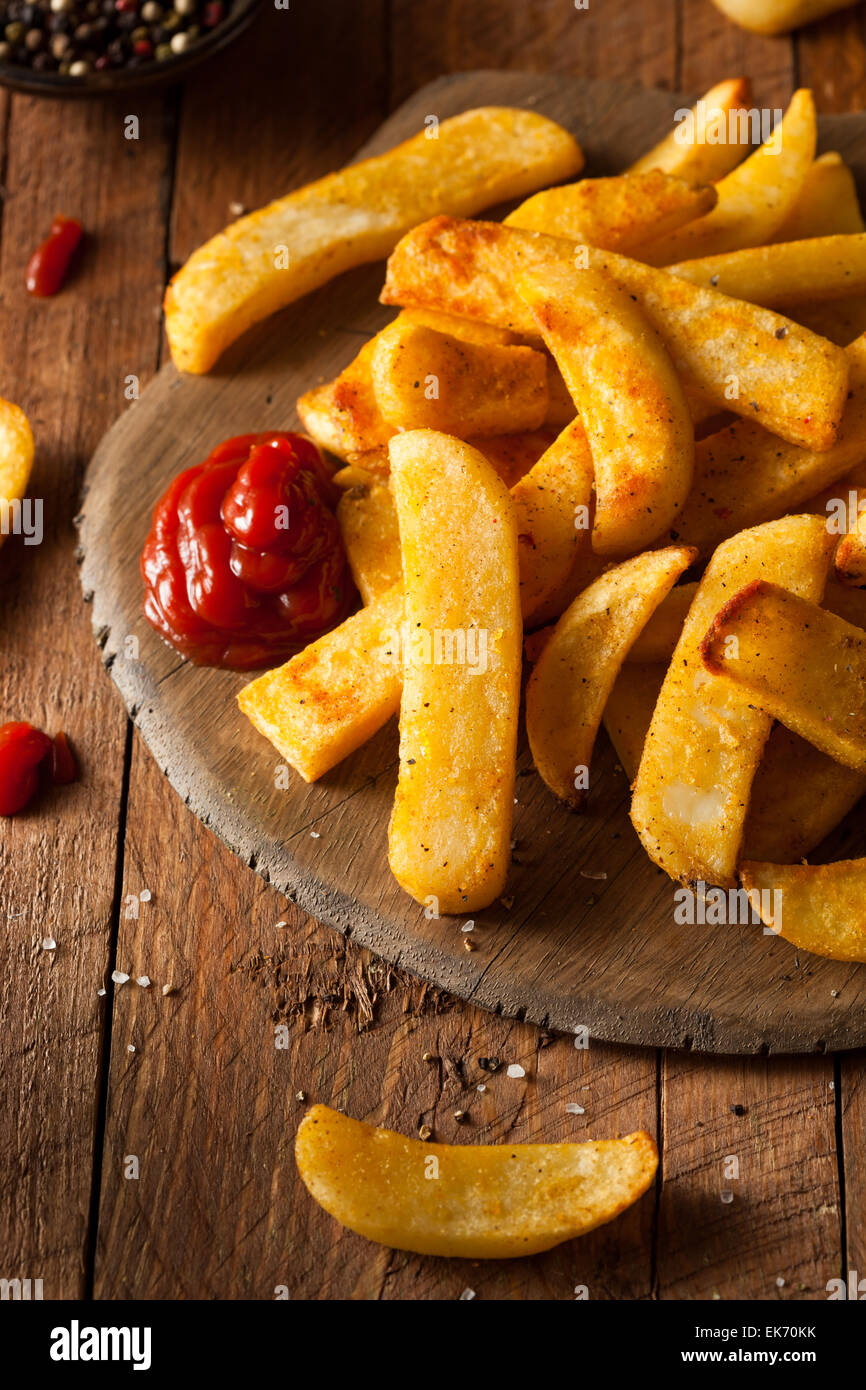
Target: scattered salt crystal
(49, 944)
(466, 1296)
(100, 991)
(516, 1070)
(834, 994)
(780, 1283)
(314, 835)
(300, 1095)
(144, 895)
(119, 977)
(573, 1109)
(280, 924)
(468, 926)
(144, 981)
(237, 209)
(130, 1047)
(481, 1088)
(168, 989)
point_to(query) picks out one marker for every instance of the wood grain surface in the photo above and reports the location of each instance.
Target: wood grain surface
(211, 1217)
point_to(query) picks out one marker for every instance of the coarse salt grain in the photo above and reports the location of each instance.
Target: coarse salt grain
(466, 1296)
(144, 895)
(100, 991)
(119, 977)
(516, 1070)
(481, 1088)
(130, 1047)
(573, 1109)
(48, 943)
(468, 926)
(144, 981)
(314, 835)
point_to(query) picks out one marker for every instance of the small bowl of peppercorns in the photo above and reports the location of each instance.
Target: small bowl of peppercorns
(84, 47)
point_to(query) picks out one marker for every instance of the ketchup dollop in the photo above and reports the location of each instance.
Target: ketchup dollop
(25, 752)
(49, 264)
(244, 563)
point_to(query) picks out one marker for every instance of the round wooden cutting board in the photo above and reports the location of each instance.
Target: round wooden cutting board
(585, 935)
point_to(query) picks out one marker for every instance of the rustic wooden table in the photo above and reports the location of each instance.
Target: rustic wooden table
(763, 1176)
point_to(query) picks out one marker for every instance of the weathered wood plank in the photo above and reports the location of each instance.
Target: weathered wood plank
(64, 360)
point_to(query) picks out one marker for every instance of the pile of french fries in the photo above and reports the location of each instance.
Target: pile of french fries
(627, 420)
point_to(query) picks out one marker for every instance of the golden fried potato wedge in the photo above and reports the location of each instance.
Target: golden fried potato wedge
(269, 258)
(798, 796)
(16, 461)
(700, 148)
(551, 502)
(828, 204)
(850, 563)
(469, 1201)
(706, 738)
(629, 398)
(755, 198)
(619, 214)
(778, 16)
(450, 830)
(368, 524)
(571, 680)
(744, 475)
(335, 694)
(740, 356)
(797, 662)
(786, 273)
(343, 415)
(817, 907)
(424, 379)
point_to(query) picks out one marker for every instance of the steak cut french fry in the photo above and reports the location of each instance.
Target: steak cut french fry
(550, 502)
(755, 198)
(16, 461)
(827, 205)
(744, 476)
(706, 739)
(784, 274)
(778, 16)
(335, 694)
(489, 1201)
(269, 258)
(850, 563)
(817, 907)
(343, 415)
(571, 680)
(619, 214)
(424, 379)
(740, 356)
(630, 401)
(368, 525)
(798, 663)
(707, 141)
(450, 830)
(798, 796)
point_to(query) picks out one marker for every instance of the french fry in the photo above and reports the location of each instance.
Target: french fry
(689, 808)
(368, 525)
(657, 641)
(489, 1201)
(817, 907)
(270, 258)
(343, 415)
(335, 694)
(797, 662)
(571, 680)
(754, 199)
(850, 563)
(798, 796)
(551, 501)
(618, 214)
(629, 398)
(694, 150)
(450, 830)
(778, 16)
(744, 476)
(740, 356)
(827, 204)
(786, 273)
(16, 460)
(424, 379)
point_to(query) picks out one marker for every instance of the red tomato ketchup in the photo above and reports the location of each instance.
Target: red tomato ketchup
(48, 266)
(25, 753)
(244, 563)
